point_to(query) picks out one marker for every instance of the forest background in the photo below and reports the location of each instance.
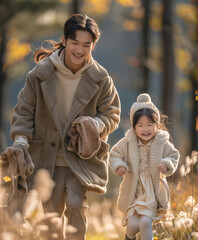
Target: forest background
(146, 46)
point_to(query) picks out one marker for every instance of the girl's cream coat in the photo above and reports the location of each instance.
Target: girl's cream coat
(35, 113)
(126, 154)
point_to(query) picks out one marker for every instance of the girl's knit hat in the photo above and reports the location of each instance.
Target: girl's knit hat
(143, 101)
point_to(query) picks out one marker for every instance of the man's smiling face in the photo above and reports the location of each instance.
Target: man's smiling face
(78, 50)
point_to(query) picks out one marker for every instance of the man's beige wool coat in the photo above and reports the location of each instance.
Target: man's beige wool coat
(126, 154)
(35, 113)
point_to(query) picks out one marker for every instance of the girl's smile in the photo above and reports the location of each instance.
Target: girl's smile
(145, 129)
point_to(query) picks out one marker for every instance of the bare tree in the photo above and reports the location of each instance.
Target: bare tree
(169, 60)
(77, 6)
(145, 44)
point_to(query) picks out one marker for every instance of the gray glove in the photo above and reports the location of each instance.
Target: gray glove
(23, 158)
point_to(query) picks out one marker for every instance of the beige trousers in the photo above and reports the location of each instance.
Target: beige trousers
(69, 198)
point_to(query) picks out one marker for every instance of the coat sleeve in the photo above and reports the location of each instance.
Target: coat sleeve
(23, 115)
(108, 108)
(117, 156)
(170, 158)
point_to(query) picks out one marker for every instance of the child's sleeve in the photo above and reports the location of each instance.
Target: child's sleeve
(117, 156)
(170, 158)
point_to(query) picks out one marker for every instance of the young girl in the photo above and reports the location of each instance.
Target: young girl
(145, 156)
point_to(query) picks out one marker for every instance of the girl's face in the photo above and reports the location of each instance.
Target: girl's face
(78, 50)
(145, 129)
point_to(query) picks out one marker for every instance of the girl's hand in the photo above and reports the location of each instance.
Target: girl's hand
(121, 171)
(163, 168)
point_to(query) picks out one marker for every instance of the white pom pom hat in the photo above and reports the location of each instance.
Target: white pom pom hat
(143, 101)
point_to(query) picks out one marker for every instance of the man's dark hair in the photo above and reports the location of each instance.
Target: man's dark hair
(74, 23)
(81, 22)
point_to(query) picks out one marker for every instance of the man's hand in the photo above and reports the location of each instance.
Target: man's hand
(121, 171)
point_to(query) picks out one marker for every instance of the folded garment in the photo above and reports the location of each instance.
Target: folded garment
(85, 139)
(15, 166)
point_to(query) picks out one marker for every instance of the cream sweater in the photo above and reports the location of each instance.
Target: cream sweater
(126, 154)
(66, 86)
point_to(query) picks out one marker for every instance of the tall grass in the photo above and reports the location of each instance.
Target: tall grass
(181, 222)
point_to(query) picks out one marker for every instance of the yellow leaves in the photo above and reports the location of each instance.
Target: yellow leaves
(155, 23)
(65, 1)
(7, 179)
(95, 7)
(174, 205)
(184, 84)
(187, 11)
(129, 3)
(130, 25)
(183, 58)
(16, 51)
(196, 95)
(96, 237)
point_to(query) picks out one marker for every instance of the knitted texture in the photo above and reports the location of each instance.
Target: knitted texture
(143, 101)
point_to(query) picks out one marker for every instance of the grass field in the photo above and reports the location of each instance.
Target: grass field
(104, 219)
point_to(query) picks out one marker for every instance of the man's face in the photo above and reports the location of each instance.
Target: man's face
(78, 50)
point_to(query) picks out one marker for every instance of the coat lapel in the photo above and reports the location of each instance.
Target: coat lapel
(134, 153)
(49, 93)
(85, 91)
(155, 156)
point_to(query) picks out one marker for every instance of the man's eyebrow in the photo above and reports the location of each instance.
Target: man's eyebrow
(83, 43)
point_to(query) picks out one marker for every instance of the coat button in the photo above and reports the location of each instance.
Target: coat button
(53, 144)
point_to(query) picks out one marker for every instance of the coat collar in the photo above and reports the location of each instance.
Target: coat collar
(155, 154)
(160, 137)
(45, 68)
(87, 88)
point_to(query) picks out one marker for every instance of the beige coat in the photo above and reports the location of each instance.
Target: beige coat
(35, 113)
(126, 154)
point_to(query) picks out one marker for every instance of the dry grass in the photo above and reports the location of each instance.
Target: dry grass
(104, 218)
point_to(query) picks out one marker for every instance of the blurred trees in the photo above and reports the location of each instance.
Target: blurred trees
(187, 60)
(169, 48)
(173, 56)
(168, 60)
(9, 9)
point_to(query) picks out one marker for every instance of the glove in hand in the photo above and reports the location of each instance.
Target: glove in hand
(23, 158)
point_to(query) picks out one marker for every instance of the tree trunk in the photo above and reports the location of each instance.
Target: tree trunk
(2, 81)
(169, 61)
(76, 6)
(195, 115)
(145, 45)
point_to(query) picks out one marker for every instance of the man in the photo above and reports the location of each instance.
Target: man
(64, 114)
